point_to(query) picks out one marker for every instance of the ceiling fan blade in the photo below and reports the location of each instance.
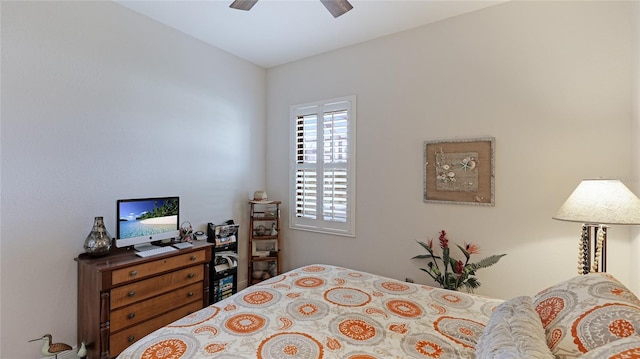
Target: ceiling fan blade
(337, 7)
(243, 4)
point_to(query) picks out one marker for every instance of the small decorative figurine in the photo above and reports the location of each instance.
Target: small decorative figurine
(49, 348)
(261, 230)
(186, 232)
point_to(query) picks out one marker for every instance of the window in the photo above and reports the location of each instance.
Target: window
(323, 166)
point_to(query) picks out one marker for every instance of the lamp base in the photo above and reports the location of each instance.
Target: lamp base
(592, 258)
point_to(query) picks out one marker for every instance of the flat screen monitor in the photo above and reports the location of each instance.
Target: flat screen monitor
(145, 220)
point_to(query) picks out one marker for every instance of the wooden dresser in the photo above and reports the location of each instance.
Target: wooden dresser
(123, 297)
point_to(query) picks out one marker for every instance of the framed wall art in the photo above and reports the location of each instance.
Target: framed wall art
(459, 171)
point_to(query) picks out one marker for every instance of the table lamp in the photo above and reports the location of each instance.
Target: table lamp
(597, 203)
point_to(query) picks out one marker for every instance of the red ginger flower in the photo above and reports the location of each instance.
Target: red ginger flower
(444, 242)
(459, 267)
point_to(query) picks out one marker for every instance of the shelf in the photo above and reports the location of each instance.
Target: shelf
(226, 272)
(259, 219)
(264, 259)
(227, 247)
(257, 238)
(263, 218)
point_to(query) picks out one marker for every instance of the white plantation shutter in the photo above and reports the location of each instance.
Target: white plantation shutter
(323, 166)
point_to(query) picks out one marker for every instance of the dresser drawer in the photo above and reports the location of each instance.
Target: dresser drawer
(163, 289)
(119, 341)
(135, 292)
(141, 311)
(143, 270)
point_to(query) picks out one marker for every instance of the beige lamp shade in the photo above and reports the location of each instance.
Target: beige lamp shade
(601, 202)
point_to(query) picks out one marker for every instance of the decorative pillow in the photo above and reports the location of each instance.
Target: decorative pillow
(621, 348)
(586, 312)
(514, 331)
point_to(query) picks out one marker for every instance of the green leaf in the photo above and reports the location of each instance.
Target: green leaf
(422, 256)
(471, 284)
(426, 246)
(464, 251)
(436, 270)
(487, 262)
(451, 282)
(445, 258)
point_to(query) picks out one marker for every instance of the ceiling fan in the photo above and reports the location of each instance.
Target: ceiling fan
(335, 7)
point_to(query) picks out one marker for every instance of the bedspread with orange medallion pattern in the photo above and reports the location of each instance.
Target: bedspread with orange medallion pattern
(323, 311)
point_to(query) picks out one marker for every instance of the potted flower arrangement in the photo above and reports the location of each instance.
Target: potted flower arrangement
(451, 273)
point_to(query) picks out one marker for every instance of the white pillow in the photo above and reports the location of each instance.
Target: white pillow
(586, 312)
(514, 331)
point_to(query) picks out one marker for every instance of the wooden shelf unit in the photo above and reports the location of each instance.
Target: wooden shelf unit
(264, 244)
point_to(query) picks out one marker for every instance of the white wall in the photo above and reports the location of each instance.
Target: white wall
(549, 80)
(100, 103)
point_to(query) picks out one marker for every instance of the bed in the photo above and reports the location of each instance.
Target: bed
(324, 311)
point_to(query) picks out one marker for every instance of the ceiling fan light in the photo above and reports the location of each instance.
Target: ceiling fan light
(243, 4)
(337, 7)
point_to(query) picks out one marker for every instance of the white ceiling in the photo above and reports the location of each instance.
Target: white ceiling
(275, 32)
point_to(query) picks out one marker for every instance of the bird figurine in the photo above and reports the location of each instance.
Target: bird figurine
(82, 351)
(49, 348)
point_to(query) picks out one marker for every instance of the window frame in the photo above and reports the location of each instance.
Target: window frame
(319, 224)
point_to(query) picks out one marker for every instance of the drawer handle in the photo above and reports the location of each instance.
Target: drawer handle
(190, 294)
(133, 273)
(132, 293)
(193, 258)
(191, 275)
(131, 339)
(131, 316)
